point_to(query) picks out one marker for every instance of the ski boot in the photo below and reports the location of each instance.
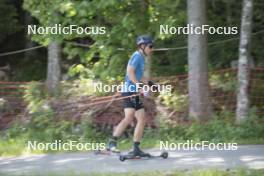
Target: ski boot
(138, 153)
(112, 146)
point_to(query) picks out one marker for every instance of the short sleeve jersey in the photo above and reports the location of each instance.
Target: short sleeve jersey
(138, 62)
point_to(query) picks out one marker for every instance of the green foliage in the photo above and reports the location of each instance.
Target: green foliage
(89, 133)
(81, 70)
(124, 20)
(218, 129)
(35, 95)
(4, 105)
(215, 130)
(226, 82)
(251, 127)
(175, 100)
(8, 21)
(81, 87)
(128, 19)
(12, 146)
(47, 13)
(32, 70)
(44, 125)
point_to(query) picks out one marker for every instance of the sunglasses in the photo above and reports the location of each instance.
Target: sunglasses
(150, 46)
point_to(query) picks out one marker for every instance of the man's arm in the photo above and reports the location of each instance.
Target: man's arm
(145, 80)
(131, 74)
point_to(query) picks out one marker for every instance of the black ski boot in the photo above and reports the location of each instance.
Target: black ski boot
(138, 153)
(111, 146)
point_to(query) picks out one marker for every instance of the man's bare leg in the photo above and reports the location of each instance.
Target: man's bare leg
(138, 133)
(141, 121)
(129, 116)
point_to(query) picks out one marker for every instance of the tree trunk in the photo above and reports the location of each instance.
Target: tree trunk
(54, 70)
(243, 62)
(147, 71)
(29, 43)
(199, 100)
(228, 12)
(144, 24)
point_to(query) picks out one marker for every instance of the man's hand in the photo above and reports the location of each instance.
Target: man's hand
(144, 80)
(153, 86)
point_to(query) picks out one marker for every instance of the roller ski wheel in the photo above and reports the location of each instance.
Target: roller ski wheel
(128, 156)
(164, 155)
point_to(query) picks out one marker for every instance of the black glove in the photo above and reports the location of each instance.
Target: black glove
(151, 83)
(153, 86)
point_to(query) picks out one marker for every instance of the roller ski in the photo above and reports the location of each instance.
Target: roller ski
(110, 150)
(138, 154)
(163, 155)
(106, 152)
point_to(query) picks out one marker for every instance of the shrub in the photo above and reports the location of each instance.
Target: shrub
(218, 129)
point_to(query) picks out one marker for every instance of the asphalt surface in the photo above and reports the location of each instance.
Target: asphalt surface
(246, 156)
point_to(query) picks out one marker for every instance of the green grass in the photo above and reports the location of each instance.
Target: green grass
(18, 146)
(15, 147)
(203, 172)
(14, 140)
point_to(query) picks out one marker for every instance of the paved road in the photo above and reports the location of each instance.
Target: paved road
(249, 156)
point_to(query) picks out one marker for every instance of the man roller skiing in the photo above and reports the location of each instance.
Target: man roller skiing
(133, 105)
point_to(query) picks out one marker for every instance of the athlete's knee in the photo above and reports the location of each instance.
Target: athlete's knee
(141, 120)
(127, 120)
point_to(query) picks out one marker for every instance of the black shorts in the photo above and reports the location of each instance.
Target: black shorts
(132, 102)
